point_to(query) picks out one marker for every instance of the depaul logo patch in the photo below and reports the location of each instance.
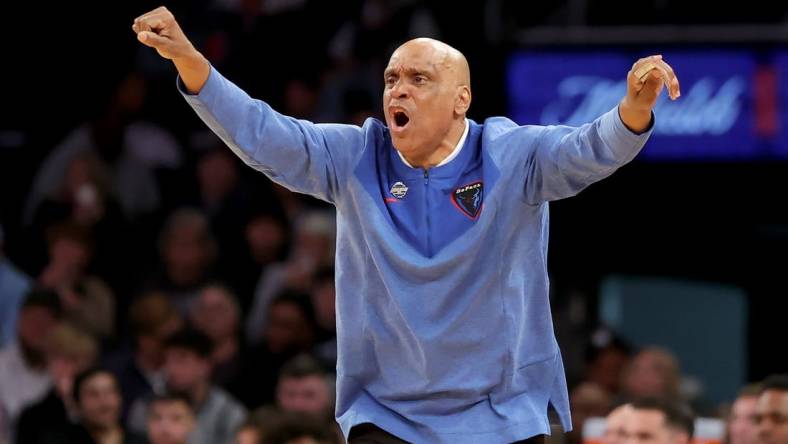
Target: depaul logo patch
(468, 199)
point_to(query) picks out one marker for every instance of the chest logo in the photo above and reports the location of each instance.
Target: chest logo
(468, 199)
(399, 190)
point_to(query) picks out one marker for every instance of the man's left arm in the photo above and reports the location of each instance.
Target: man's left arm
(565, 159)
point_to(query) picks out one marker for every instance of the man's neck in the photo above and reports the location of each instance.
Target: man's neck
(199, 394)
(443, 150)
(112, 435)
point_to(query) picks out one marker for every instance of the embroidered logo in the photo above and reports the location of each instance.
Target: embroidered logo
(468, 199)
(399, 190)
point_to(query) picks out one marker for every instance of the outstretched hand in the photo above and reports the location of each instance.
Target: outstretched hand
(644, 84)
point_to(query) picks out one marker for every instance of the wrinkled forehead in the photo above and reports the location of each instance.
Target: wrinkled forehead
(417, 58)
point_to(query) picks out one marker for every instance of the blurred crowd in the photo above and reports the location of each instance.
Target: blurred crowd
(154, 289)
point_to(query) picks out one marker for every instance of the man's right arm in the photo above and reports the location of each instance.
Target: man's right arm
(302, 156)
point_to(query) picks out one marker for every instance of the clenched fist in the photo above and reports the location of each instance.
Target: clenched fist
(159, 30)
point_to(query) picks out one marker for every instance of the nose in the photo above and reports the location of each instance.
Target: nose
(399, 90)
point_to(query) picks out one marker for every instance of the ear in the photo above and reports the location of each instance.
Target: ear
(463, 100)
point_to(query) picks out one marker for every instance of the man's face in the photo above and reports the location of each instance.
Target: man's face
(742, 425)
(616, 432)
(99, 401)
(772, 417)
(309, 394)
(169, 422)
(649, 427)
(34, 326)
(185, 370)
(418, 97)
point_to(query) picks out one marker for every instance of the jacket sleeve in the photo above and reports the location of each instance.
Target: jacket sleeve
(303, 156)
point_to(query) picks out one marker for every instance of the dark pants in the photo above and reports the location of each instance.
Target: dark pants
(368, 433)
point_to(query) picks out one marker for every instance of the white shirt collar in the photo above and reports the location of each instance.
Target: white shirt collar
(454, 152)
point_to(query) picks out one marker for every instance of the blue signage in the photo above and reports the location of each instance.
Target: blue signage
(727, 110)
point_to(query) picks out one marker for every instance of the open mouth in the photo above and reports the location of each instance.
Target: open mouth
(401, 119)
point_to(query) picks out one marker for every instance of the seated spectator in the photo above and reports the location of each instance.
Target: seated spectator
(84, 199)
(14, 285)
(313, 249)
(652, 373)
(98, 401)
(170, 419)
(658, 421)
(298, 429)
(216, 314)
(187, 251)
(587, 400)
(741, 426)
(323, 297)
(617, 420)
(23, 373)
(303, 387)
(152, 318)
(87, 301)
(70, 351)
(129, 147)
(290, 330)
(607, 357)
(772, 410)
(187, 368)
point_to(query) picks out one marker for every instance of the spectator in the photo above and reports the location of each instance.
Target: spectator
(606, 360)
(98, 401)
(69, 352)
(170, 419)
(323, 298)
(188, 370)
(217, 315)
(297, 429)
(587, 400)
(617, 420)
(14, 285)
(303, 387)
(313, 249)
(131, 148)
(652, 373)
(85, 201)
(741, 426)
(772, 410)
(153, 319)
(266, 236)
(289, 330)
(87, 301)
(23, 373)
(187, 251)
(658, 421)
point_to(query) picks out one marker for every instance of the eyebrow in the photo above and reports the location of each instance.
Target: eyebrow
(408, 71)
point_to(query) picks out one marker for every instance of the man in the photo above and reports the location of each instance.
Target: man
(771, 412)
(656, 421)
(69, 352)
(23, 367)
(170, 419)
(615, 432)
(437, 342)
(742, 427)
(187, 369)
(98, 400)
(153, 318)
(303, 387)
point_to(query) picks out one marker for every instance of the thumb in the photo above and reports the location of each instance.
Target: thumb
(152, 39)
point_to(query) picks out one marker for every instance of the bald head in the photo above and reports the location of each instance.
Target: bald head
(446, 57)
(427, 94)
